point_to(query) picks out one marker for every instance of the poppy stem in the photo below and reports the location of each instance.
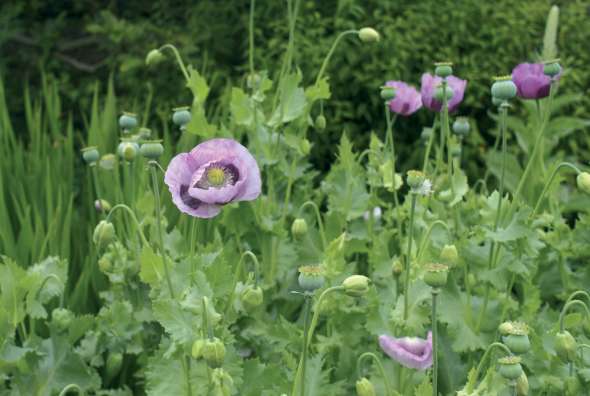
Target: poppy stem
(408, 256)
(376, 359)
(178, 59)
(429, 146)
(548, 184)
(471, 384)
(306, 306)
(434, 292)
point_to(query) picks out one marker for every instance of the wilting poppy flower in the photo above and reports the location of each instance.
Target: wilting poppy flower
(531, 82)
(428, 88)
(214, 173)
(410, 352)
(407, 99)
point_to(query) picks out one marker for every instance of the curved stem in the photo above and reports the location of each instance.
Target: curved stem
(376, 359)
(178, 59)
(186, 367)
(133, 217)
(159, 227)
(434, 345)
(578, 293)
(238, 273)
(408, 256)
(566, 307)
(482, 361)
(426, 237)
(70, 387)
(331, 52)
(318, 219)
(548, 184)
(289, 190)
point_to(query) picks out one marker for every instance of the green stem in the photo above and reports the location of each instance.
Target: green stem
(408, 257)
(159, 228)
(178, 59)
(471, 384)
(133, 217)
(186, 368)
(238, 273)
(426, 237)
(251, 37)
(388, 390)
(70, 387)
(289, 190)
(390, 123)
(434, 345)
(429, 146)
(447, 134)
(318, 220)
(578, 293)
(566, 307)
(331, 52)
(548, 184)
(193, 236)
(304, 343)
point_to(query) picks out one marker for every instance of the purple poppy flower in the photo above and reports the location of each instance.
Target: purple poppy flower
(407, 99)
(214, 173)
(531, 82)
(411, 352)
(428, 87)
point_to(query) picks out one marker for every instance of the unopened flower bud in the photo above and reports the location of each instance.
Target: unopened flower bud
(299, 227)
(368, 35)
(503, 88)
(152, 149)
(320, 122)
(127, 150)
(253, 80)
(181, 116)
(449, 255)
(505, 328)
(522, 385)
(62, 318)
(104, 234)
(128, 121)
(251, 297)
(415, 179)
(311, 278)
(213, 352)
(440, 91)
(105, 265)
(90, 155)
(443, 69)
(364, 387)
(565, 346)
(113, 365)
(222, 382)
(305, 146)
(153, 57)
(510, 367)
(461, 126)
(436, 275)
(197, 349)
(102, 206)
(397, 267)
(552, 68)
(108, 161)
(583, 181)
(387, 93)
(356, 285)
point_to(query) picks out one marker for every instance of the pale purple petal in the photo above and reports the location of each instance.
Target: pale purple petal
(428, 87)
(530, 81)
(407, 99)
(411, 352)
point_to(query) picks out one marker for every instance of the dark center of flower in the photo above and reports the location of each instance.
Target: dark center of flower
(218, 176)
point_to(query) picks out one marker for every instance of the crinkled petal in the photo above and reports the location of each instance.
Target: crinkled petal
(410, 352)
(407, 99)
(428, 88)
(458, 85)
(530, 80)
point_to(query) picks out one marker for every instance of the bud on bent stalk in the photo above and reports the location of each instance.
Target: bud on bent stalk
(449, 255)
(510, 367)
(356, 285)
(305, 146)
(104, 234)
(583, 181)
(311, 278)
(152, 149)
(368, 35)
(443, 69)
(251, 297)
(213, 352)
(364, 387)
(436, 275)
(566, 346)
(153, 57)
(102, 206)
(320, 122)
(397, 267)
(387, 93)
(299, 228)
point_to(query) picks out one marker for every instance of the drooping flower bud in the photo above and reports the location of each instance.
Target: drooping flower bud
(443, 69)
(61, 318)
(128, 150)
(251, 297)
(305, 146)
(517, 338)
(368, 35)
(102, 206)
(197, 349)
(104, 234)
(222, 382)
(522, 385)
(440, 91)
(90, 155)
(397, 267)
(503, 88)
(356, 285)
(387, 93)
(311, 278)
(449, 255)
(108, 161)
(565, 346)
(583, 181)
(113, 365)
(181, 116)
(364, 387)
(213, 352)
(128, 121)
(152, 149)
(461, 126)
(510, 367)
(415, 179)
(436, 275)
(299, 228)
(153, 57)
(551, 68)
(320, 122)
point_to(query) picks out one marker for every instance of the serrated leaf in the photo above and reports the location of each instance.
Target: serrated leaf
(151, 267)
(292, 101)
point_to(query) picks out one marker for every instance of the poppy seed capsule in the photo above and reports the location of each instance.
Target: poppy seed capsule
(181, 116)
(90, 155)
(152, 149)
(128, 121)
(551, 68)
(127, 150)
(461, 126)
(510, 367)
(108, 161)
(299, 228)
(517, 343)
(565, 346)
(251, 297)
(440, 90)
(583, 181)
(415, 179)
(443, 69)
(153, 57)
(504, 89)
(214, 352)
(397, 267)
(320, 122)
(310, 278)
(356, 285)
(436, 275)
(102, 205)
(387, 93)
(197, 349)
(505, 328)
(368, 35)
(364, 387)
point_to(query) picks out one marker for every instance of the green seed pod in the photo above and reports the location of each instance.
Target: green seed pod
(153, 57)
(128, 121)
(320, 122)
(387, 93)
(310, 278)
(566, 346)
(113, 365)
(104, 234)
(197, 349)
(415, 179)
(181, 116)
(449, 255)
(356, 285)
(90, 155)
(127, 150)
(522, 385)
(443, 69)
(461, 127)
(504, 88)
(505, 328)
(438, 93)
(436, 275)
(510, 367)
(108, 161)
(552, 68)
(61, 318)
(305, 146)
(583, 181)
(299, 228)
(517, 343)
(102, 206)
(364, 387)
(252, 297)
(144, 133)
(368, 35)
(214, 352)
(152, 149)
